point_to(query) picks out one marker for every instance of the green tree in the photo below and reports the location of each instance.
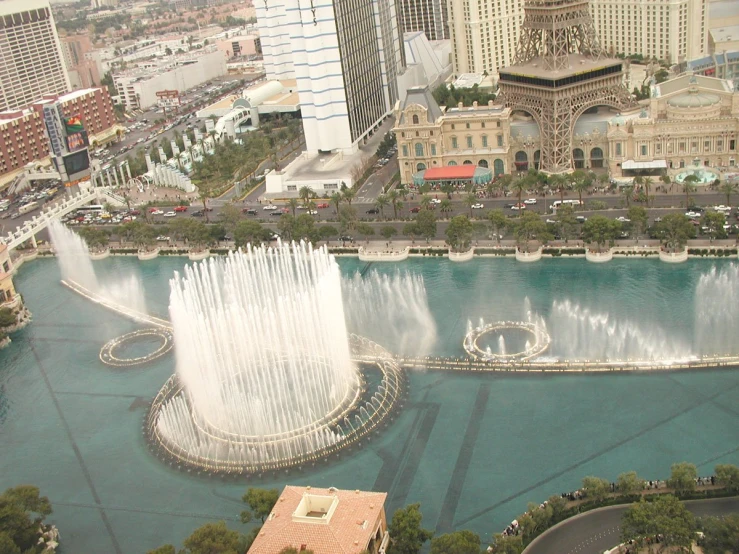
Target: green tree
(470, 200)
(674, 231)
(206, 190)
(507, 544)
(394, 197)
(349, 195)
(327, 232)
(601, 231)
(595, 488)
(425, 202)
(293, 204)
(366, 230)
(627, 191)
(727, 476)
(629, 483)
(166, 549)
(459, 542)
(728, 189)
(581, 182)
(410, 230)
(566, 222)
(459, 233)
(213, 538)
(721, 534)
(348, 219)
(499, 221)
(22, 512)
(426, 224)
(230, 216)
(260, 502)
(388, 232)
(528, 228)
(519, 186)
(665, 516)
(714, 223)
(406, 534)
(7, 317)
(682, 477)
(648, 182)
(336, 201)
(638, 217)
(446, 206)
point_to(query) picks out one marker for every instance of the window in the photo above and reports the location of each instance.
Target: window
(454, 142)
(330, 186)
(644, 149)
(415, 119)
(292, 188)
(483, 124)
(732, 144)
(618, 149)
(405, 151)
(484, 141)
(469, 142)
(419, 150)
(433, 150)
(452, 163)
(500, 140)
(706, 145)
(467, 125)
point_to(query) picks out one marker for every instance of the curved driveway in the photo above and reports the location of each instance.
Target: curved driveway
(596, 531)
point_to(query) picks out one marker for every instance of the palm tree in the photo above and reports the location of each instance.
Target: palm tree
(469, 200)
(728, 189)
(305, 194)
(581, 184)
(394, 198)
(293, 203)
(628, 193)
(519, 186)
(445, 206)
(648, 182)
(336, 201)
(426, 202)
(349, 195)
(381, 202)
(688, 187)
(559, 183)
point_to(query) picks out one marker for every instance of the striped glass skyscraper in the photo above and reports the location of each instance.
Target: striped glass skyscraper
(31, 62)
(346, 56)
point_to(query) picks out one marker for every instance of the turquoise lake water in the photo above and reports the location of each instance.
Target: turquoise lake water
(473, 450)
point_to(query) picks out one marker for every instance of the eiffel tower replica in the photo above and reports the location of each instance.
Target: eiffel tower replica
(560, 71)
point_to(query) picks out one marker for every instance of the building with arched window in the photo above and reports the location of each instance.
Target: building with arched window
(690, 119)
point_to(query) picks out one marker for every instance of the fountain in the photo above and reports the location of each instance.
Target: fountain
(267, 375)
(393, 310)
(74, 260)
(704, 175)
(716, 317)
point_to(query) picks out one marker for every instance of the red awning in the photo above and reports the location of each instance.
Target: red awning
(450, 173)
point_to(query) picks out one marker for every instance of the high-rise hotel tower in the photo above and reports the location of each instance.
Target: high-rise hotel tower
(346, 56)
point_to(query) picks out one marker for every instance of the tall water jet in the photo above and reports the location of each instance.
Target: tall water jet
(716, 311)
(584, 334)
(501, 345)
(265, 376)
(73, 256)
(392, 309)
(76, 265)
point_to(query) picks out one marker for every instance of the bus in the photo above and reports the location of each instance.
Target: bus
(91, 209)
(574, 203)
(27, 208)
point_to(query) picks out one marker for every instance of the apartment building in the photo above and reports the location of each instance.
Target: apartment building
(427, 16)
(31, 60)
(82, 66)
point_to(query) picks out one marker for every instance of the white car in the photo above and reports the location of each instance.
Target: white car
(157, 212)
(478, 206)
(551, 221)
(162, 237)
(623, 219)
(722, 208)
(692, 215)
(269, 207)
(530, 201)
(435, 201)
(170, 214)
(312, 212)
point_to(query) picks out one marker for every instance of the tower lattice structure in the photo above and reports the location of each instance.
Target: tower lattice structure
(560, 71)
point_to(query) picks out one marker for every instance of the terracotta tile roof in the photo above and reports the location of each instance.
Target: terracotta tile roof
(349, 530)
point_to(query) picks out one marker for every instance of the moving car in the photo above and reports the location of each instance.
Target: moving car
(170, 214)
(322, 205)
(415, 210)
(435, 201)
(269, 207)
(530, 201)
(373, 211)
(249, 211)
(478, 206)
(518, 206)
(181, 209)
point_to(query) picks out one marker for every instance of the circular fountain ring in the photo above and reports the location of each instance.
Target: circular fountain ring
(349, 424)
(536, 348)
(108, 351)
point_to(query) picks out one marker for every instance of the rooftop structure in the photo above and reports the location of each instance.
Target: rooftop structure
(326, 521)
(30, 54)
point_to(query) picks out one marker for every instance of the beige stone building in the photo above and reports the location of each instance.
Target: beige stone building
(690, 119)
